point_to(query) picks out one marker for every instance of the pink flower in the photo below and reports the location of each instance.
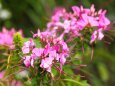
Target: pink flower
(100, 34)
(77, 21)
(87, 21)
(38, 51)
(92, 9)
(93, 37)
(46, 64)
(58, 12)
(29, 45)
(2, 74)
(6, 37)
(28, 61)
(97, 35)
(103, 21)
(25, 50)
(45, 36)
(67, 26)
(76, 10)
(62, 59)
(52, 54)
(54, 49)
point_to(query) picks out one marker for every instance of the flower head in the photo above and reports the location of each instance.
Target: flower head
(72, 24)
(54, 50)
(29, 45)
(6, 37)
(76, 22)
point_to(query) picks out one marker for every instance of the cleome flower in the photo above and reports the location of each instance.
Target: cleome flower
(29, 45)
(75, 22)
(6, 37)
(54, 50)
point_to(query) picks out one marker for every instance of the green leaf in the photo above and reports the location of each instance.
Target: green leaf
(74, 81)
(38, 43)
(103, 72)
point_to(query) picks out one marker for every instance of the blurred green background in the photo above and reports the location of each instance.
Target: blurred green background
(30, 15)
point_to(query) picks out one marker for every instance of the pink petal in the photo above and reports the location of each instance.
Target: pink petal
(25, 50)
(62, 59)
(76, 10)
(100, 35)
(38, 51)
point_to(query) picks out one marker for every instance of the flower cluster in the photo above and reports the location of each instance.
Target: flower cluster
(53, 50)
(6, 37)
(75, 22)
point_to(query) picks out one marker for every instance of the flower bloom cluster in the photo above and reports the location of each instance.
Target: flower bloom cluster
(6, 37)
(54, 50)
(76, 21)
